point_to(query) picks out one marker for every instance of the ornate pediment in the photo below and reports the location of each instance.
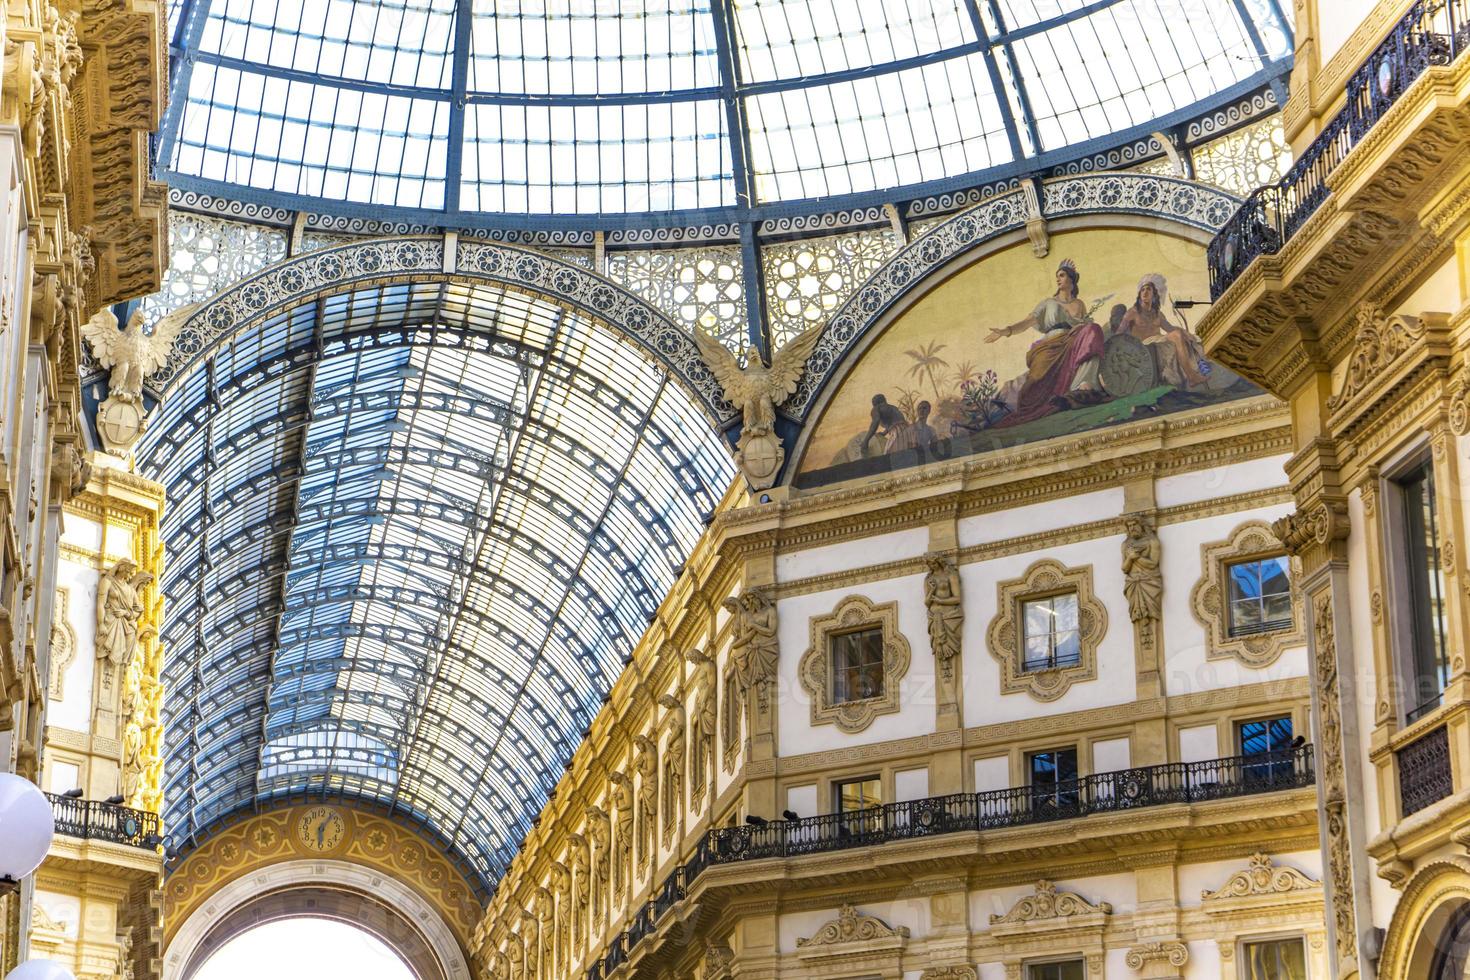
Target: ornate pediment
(1379, 343)
(1261, 878)
(852, 926)
(1048, 903)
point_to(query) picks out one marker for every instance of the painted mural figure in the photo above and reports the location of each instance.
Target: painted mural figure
(1180, 356)
(1065, 360)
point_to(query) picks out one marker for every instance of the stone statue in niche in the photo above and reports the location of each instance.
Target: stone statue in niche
(622, 808)
(645, 760)
(754, 646)
(702, 735)
(946, 614)
(756, 391)
(581, 886)
(599, 829)
(561, 886)
(132, 761)
(119, 607)
(1143, 579)
(673, 762)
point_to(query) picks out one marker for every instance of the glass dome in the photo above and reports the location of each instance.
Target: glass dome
(613, 113)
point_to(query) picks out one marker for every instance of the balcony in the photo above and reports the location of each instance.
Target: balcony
(95, 820)
(1425, 776)
(1432, 32)
(1108, 792)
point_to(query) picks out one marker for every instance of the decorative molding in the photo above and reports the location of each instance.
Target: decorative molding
(852, 926)
(1380, 341)
(63, 644)
(1208, 599)
(1048, 903)
(1261, 878)
(1005, 638)
(949, 973)
(1172, 952)
(815, 668)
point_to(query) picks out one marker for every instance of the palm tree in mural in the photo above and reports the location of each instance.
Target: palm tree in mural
(926, 362)
(964, 373)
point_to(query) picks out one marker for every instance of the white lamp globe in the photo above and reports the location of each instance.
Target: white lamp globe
(40, 970)
(26, 826)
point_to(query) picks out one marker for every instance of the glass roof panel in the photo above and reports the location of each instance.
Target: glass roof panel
(419, 589)
(580, 108)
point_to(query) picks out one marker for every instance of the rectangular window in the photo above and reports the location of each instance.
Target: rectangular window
(857, 665)
(1274, 959)
(1064, 970)
(1266, 749)
(1051, 632)
(1053, 779)
(1429, 661)
(1260, 596)
(858, 803)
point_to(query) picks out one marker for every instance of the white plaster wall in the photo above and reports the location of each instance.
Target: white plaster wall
(1199, 743)
(74, 710)
(1336, 21)
(852, 554)
(1034, 518)
(1110, 755)
(910, 784)
(1187, 668)
(81, 532)
(1440, 293)
(916, 701)
(1116, 682)
(1221, 481)
(1204, 961)
(992, 773)
(1195, 879)
(802, 800)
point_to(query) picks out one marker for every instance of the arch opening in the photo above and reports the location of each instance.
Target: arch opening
(299, 945)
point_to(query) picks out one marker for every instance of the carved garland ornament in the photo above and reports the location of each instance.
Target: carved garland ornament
(1261, 878)
(1380, 341)
(815, 669)
(1004, 637)
(852, 926)
(1048, 903)
(1210, 598)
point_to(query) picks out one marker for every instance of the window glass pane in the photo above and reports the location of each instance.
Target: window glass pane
(1260, 596)
(859, 794)
(1275, 959)
(1068, 970)
(857, 665)
(1051, 638)
(1272, 735)
(1425, 589)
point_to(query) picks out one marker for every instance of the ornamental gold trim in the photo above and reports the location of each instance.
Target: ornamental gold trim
(1045, 578)
(814, 671)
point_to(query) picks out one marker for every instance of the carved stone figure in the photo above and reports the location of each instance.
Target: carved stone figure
(561, 886)
(754, 647)
(1143, 581)
(70, 472)
(132, 355)
(581, 886)
(545, 929)
(622, 848)
(673, 762)
(755, 392)
(119, 607)
(702, 734)
(645, 759)
(599, 829)
(946, 614)
(132, 762)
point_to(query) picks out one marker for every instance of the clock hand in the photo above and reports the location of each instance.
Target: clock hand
(321, 832)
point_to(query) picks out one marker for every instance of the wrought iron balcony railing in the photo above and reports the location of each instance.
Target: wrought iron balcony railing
(1107, 792)
(95, 820)
(1425, 776)
(1432, 32)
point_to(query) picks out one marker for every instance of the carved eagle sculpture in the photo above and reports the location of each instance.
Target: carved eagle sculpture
(130, 353)
(758, 389)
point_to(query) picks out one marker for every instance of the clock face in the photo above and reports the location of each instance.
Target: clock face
(321, 828)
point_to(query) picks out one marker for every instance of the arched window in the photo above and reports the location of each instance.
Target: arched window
(1452, 954)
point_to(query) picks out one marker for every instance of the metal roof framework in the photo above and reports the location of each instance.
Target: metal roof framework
(414, 530)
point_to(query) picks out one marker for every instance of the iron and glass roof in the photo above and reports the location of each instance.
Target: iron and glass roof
(413, 532)
(611, 113)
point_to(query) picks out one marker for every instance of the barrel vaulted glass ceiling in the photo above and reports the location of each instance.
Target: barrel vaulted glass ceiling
(731, 108)
(413, 532)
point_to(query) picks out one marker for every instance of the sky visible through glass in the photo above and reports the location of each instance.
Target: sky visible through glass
(304, 949)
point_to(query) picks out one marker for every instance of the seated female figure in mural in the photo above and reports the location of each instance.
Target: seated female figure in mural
(1178, 352)
(1065, 360)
